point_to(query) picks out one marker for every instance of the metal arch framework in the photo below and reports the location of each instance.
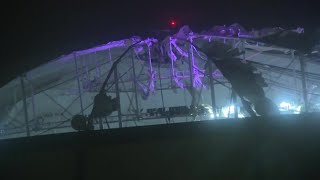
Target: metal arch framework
(138, 79)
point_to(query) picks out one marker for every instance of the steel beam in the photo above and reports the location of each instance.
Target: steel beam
(190, 54)
(79, 87)
(25, 105)
(213, 97)
(135, 85)
(161, 91)
(304, 84)
(118, 95)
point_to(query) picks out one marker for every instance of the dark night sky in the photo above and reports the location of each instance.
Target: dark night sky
(38, 31)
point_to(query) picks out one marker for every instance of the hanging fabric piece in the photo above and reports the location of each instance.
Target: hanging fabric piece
(172, 56)
(197, 83)
(143, 91)
(151, 72)
(146, 89)
(173, 59)
(182, 53)
(202, 57)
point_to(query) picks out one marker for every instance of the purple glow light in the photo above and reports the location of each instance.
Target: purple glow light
(173, 42)
(197, 83)
(204, 58)
(217, 74)
(180, 84)
(151, 73)
(173, 58)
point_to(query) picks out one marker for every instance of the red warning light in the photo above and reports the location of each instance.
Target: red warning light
(173, 23)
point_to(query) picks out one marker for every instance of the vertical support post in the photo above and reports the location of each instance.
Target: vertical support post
(159, 72)
(78, 80)
(190, 54)
(171, 67)
(98, 68)
(106, 118)
(295, 78)
(135, 86)
(118, 95)
(304, 84)
(213, 97)
(34, 108)
(100, 123)
(33, 105)
(234, 95)
(243, 49)
(235, 104)
(25, 105)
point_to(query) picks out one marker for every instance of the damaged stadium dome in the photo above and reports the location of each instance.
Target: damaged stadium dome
(137, 82)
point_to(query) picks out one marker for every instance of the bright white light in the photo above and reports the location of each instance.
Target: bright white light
(225, 112)
(285, 106)
(232, 109)
(298, 108)
(211, 116)
(226, 109)
(289, 107)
